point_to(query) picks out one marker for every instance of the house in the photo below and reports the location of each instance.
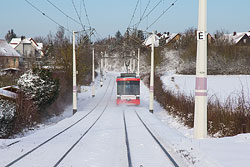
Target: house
(30, 50)
(148, 40)
(238, 39)
(170, 38)
(9, 57)
(210, 38)
(163, 39)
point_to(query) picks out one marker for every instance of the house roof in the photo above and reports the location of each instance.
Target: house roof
(169, 36)
(148, 41)
(16, 41)
(235, 38)
(7, 50)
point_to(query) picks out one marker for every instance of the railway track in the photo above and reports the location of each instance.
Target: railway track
(158, 142)
(81, 137)
(62, 131)
(129, 153)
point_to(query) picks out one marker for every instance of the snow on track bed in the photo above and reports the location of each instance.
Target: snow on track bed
(51, 146)
(144, 149)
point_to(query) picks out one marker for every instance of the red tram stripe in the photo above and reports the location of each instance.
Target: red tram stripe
(127, 79)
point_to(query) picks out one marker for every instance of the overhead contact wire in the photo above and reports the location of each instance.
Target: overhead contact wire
(46, 15)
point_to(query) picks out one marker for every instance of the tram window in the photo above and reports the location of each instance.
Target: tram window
(128, 88)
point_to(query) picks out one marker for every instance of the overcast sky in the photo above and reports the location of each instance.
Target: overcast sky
(108, 16)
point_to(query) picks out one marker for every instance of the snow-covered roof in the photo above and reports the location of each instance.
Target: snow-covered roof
(148, 41)
(16, 41)
(7, 50)
(7, 93)
(169, 36)
(236, 36)
(40, 46)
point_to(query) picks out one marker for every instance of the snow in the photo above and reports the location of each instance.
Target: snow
(7, 93)
(7, 50)
(104, 145)
(219, 86)
(236, 38)
(148, 41)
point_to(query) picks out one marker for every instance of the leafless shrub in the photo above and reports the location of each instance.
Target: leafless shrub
(224, 119)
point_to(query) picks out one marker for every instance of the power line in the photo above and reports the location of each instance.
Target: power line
(137, 25)
(46, 15)
(83, 27)
(149, 12)
(86, 12)
(63, 12)
(133, 14)
(162, 14)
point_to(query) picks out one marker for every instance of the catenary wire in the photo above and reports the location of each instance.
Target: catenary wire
(149, 12)
(46, 15)
(63, 12)
(83, 27)
(161, 14)
(133, 14)
(86, 12)
(137, 25)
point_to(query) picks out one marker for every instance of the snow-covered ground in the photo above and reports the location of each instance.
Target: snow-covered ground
(219, 86)
(104, 145)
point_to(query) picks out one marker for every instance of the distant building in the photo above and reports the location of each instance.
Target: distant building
(29, 49)
(210, 38)
(238, 38)
(148, 40)
(9, 57)
(171, 38)
(163, 39)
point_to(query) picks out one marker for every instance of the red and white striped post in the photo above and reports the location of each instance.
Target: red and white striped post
(200, 114)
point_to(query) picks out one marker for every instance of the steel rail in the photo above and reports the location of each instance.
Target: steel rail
(127, 141)
(158, 142)
(35, 148)
(71, 148)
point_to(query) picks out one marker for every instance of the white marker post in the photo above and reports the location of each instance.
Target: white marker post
(151, 89)
(74, 76)
(200, 116)
(93, 73)
(138, 62)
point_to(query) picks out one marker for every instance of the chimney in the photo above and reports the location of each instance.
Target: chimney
(22, 37)
(235, 33)
(168, 33)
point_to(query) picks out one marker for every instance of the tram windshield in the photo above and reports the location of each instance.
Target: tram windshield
(128, 88)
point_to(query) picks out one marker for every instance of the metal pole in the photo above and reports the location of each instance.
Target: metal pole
(93, 73)
(130, 64)
(151, 89)
(74, 76)
(138, 61)
(200, 116)
(101, 69)
(105, 63)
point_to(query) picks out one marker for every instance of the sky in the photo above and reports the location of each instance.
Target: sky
(109, 16)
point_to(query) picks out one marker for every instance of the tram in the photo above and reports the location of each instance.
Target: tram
(128, 89)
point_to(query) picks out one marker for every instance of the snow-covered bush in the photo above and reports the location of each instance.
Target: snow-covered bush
(39, 86)
(7, 113)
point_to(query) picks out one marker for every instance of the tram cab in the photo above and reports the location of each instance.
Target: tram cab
(128, 89)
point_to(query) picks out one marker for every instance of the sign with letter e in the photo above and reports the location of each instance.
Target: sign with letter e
(201, 35)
